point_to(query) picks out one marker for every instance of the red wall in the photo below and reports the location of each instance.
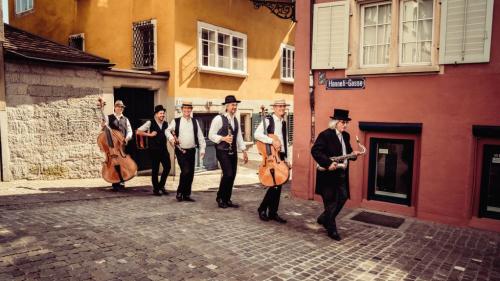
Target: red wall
(447, 105)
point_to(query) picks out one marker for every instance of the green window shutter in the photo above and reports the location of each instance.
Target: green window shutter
(330, 35)
(465, 31)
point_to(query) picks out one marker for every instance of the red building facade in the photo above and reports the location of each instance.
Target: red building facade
(429, 114)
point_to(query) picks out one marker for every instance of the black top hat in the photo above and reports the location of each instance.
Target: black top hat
(341, 114)
(159, 108)
(230, 99)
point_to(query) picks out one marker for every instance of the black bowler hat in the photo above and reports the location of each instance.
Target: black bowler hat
(230, 99)
(159, 108)
(340, 114)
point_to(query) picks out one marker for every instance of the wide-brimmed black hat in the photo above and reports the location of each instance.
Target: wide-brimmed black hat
(159, 108)
(230, 99)
(340, 114)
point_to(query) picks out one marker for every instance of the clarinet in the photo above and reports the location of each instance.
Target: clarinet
(230, 133)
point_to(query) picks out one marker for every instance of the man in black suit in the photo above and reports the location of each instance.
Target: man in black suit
(333, 183)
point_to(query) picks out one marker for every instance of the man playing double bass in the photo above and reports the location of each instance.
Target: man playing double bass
(185, 134)
(118, 121)
(274, 124)
(333, 183)
(157, 148)
(225, 131)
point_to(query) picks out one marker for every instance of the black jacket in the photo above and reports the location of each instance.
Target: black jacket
(328, 145)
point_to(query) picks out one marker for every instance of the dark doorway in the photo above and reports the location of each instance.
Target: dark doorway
(490, 183)
(210, 160)
(391, 170)
(139, 108)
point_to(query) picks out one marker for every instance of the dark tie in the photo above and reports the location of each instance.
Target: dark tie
(283, 131)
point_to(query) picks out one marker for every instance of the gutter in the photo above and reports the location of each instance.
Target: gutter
(83, 63)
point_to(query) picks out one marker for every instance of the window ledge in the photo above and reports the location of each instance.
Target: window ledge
(287, 81)
(204, 69)
(393, 70)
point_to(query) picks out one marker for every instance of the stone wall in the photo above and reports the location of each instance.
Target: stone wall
(52, 121)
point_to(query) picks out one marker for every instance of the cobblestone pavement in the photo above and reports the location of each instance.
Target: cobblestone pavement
(95, 234)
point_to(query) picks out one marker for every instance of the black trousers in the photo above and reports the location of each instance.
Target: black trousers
(228, 164)
(333, 200)
(159, 156)
(186, 163)
(271, 200)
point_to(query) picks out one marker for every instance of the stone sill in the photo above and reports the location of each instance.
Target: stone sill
(422, 69)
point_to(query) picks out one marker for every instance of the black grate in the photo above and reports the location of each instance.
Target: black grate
(76, 41)
(144, 44)
(378, 219)
(290, 128)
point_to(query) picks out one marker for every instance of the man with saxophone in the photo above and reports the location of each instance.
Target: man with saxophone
(185, 135)
(332, 183)
(118, 121)
(225, 131)
(274, 124)
(157, 148)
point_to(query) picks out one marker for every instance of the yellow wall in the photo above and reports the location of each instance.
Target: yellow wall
(48, 20)
(265, 33)
(107, 25)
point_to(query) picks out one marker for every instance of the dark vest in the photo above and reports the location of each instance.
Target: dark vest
(195, 129)
(270, 130)
(120, 125)
(224, 132)
(160, 140)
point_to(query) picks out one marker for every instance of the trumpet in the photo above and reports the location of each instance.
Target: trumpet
(344, 157)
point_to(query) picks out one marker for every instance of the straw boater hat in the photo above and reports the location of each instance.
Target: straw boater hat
(187, 104)
(119, 103)
(280, 102)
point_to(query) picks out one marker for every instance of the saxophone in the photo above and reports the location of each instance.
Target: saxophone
(344, 157)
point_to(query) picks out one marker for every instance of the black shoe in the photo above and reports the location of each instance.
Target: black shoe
(320, 220)
(178, 197)
(230, 204)
(164, 191)
(263, 216)
(221, 203)
(277, 218)
(156, 192)
(122, 185)
(188, 198)
(334, 235)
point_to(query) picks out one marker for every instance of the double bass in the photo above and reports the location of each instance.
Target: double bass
(118, 166)
(272, 171)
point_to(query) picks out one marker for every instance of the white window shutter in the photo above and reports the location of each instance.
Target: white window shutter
(330, 35)
(465, 31)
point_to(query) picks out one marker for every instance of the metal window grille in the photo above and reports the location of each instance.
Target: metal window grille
(77, 42)
(290, 128)
(144, 44)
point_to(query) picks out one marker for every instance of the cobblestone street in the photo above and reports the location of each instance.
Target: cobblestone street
(95, 234)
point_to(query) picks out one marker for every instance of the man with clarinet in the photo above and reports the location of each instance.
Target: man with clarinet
(225, 132)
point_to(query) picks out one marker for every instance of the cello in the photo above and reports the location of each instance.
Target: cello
(272, 171)
(118, 166)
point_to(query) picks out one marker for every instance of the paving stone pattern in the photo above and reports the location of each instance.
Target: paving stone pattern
(95, 234)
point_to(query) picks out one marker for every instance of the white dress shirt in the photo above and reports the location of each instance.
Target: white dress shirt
(146, 126)
(278, 131)
(217, 124)
(118, 117)
(186, 136)
(344, 150)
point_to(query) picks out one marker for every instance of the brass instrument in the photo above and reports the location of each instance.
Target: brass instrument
(344, 157)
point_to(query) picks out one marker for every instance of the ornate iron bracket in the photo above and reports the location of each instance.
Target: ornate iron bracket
(284, 9)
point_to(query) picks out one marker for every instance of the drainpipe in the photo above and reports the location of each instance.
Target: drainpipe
(312, 165)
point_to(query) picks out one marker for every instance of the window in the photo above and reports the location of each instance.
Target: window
(221, 50)
(23, 6)
(77, 41)
(375, 34)
(287, 63)
(144, 44)
(391, 170)
(416, 19)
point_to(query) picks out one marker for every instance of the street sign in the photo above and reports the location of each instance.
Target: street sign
(345, 83)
